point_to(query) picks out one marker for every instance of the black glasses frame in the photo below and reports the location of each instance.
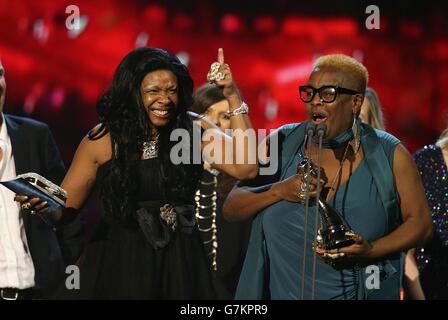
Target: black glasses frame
(338, 90)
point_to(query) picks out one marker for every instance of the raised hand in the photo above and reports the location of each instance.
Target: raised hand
(221, 75)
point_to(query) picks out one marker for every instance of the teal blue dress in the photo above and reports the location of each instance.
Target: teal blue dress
(273, 266)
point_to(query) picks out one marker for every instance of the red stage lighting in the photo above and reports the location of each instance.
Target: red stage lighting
(231, 23)
(411, 29)
(264, 24)
(183, 21)
(155, 14)
(319, 28)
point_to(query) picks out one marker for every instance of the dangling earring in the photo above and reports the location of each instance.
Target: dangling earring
(356, 133)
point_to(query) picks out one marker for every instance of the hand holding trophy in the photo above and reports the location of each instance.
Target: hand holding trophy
(335, 232)
(36, 193)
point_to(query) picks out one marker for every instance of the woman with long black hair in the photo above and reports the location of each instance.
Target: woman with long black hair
(147, 245)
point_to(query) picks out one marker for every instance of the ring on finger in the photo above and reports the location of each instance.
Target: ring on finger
(304, 178)
(213, 72)
(215, 66)
(25, 206)
(211, 77)
(335, 256)
(301, 195)
(303, 186)
(220, 76)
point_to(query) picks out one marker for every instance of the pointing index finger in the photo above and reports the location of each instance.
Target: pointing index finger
(221, 56)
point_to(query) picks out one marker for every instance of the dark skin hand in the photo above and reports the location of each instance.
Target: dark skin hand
(35, 203)
(355, 253)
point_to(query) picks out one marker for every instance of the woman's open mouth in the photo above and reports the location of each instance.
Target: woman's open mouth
(161, 113)
(318, 118)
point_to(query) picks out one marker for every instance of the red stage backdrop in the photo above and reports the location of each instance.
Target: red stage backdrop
(56, 75)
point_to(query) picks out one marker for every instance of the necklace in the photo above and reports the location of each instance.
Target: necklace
(338, 172)
(150, 148)
(341, 165)
(206, 215)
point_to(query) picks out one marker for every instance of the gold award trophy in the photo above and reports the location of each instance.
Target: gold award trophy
(335, 232)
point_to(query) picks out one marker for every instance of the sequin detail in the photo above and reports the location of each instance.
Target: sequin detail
(434, 173)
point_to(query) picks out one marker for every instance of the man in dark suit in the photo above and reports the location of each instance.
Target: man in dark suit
(33, 253)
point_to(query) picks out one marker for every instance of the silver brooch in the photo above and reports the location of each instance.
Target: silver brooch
(168, 214)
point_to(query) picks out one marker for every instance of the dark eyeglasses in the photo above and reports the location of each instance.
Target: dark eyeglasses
(326, 93)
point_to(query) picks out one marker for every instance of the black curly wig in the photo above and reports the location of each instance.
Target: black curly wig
(123, 115)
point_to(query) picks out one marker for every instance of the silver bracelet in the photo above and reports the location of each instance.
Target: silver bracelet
(243, 109)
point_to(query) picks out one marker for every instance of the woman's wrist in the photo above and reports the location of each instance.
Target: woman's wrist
(234, 101)
(275, 192)
(370, 253)
(64, 216)
(243, 109)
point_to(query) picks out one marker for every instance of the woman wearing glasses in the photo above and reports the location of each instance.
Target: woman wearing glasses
(366, 175)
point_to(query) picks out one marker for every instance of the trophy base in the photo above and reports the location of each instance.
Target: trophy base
(339, 243)
(337, 237)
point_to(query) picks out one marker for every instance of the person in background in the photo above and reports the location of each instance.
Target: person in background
(432, 258)
(225, 242)
(372, 114)
(33, 255)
